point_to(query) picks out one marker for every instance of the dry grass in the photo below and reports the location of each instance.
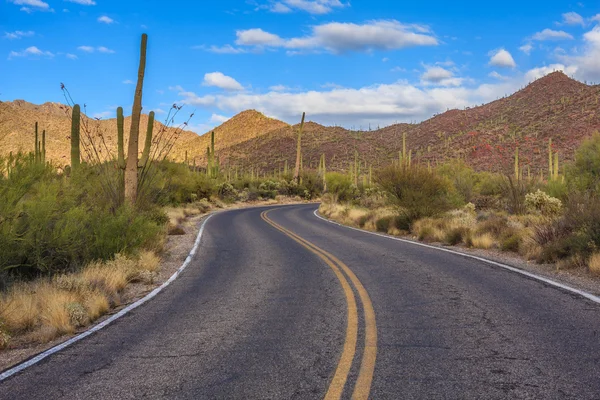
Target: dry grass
(483, 241)
(45, 309)
(594, 264)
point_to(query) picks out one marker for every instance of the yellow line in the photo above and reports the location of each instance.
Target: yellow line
(362, 387)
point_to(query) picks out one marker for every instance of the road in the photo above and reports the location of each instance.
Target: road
(288, 306)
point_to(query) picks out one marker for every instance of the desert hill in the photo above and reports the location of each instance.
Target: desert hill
(486, 136)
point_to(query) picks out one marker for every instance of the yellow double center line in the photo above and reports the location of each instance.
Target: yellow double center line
(362, 386)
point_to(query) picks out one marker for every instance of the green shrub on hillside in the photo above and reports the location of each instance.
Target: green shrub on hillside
(416, 192)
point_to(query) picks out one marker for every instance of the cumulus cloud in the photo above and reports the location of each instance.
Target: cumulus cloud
(549, 34)
(540, 72)
(572, 18)
(106, 20)
(337, 37)
(18, 34)
(595, 18)
(30, 51)
(91, 49)
(257, 37)
(37, 4)
(502, 58)
(498, 76)
(278, 88)
(83, 2)
(310, 6)
(378, 104)
(71, 56)
(227, 49)
(218, 79)
(218, 119)
(526, 48)
(587, 61)
(436, 75)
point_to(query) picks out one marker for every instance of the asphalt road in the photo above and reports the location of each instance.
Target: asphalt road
(287, 306)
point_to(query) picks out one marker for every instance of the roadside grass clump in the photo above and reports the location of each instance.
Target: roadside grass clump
(44, 309)
(483, 241)
(594, 264)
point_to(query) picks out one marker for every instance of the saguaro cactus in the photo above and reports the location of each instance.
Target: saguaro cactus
(148, 143)
(43, 154)
(75, 130)
(120, 139)
(36, 155)
(517, 175)
(131, 167)
(550, 166)
(299, 151)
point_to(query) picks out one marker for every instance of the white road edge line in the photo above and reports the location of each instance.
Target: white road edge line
(20, 367)
(582, 293)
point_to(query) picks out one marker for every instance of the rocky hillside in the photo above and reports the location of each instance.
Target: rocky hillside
(487, 136)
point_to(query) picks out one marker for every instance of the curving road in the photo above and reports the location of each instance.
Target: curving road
(283, 305)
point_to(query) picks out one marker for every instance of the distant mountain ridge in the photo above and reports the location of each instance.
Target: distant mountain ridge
(486, 136)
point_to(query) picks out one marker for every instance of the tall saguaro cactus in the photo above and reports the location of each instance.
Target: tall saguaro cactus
(299, 151)
(43, 153)
(148, 143)
(131, 167)
(75, 130)
(36, 148)
(120, 139)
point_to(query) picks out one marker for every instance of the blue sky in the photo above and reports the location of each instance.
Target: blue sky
(346, 63)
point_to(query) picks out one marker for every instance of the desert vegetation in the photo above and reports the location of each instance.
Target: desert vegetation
(551, 219)
(73, 237)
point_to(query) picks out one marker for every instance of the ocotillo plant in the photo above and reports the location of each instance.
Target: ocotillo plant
(75, 131)
(299, 151)
(131, 168)
(148, 143)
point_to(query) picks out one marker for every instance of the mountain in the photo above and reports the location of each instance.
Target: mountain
(553, 107)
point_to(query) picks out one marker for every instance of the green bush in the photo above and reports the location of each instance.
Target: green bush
(383, 224)
(584, 174)
(416, 192)
(542, 203)
(457, 235)
(341, 186)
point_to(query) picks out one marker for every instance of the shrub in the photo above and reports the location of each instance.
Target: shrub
(457, 235)
(584, 174)
(594, 264)
(511, 242)
(415, 191)
(383, 224)
(341, 186)
(542, 203)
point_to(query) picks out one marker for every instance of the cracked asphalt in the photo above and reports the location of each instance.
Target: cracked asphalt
(257, 316)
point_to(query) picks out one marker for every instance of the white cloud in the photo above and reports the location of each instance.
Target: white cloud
(128, 82)
(549, 34)
(159, 111)
(218, 79)
(502, 58)
(83, 2)
(218, 119)
(278, 88)
(31, 3)
(103, 49)
(438, 76)
(498, 76)
(586, 60)
(227, 49)
(310, 6)
(106, 20)
(30, 51)
(104, 114)
(526, 48)
(540, 72)
(379, 104)
(336, 37)
(91, 49)
(71, 56)
(572, 18)
(18, 34)
(595, 18)
(257, 37)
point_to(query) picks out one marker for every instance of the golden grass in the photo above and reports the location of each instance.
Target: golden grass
(45, 309)
(594, 264)
(483, 241)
